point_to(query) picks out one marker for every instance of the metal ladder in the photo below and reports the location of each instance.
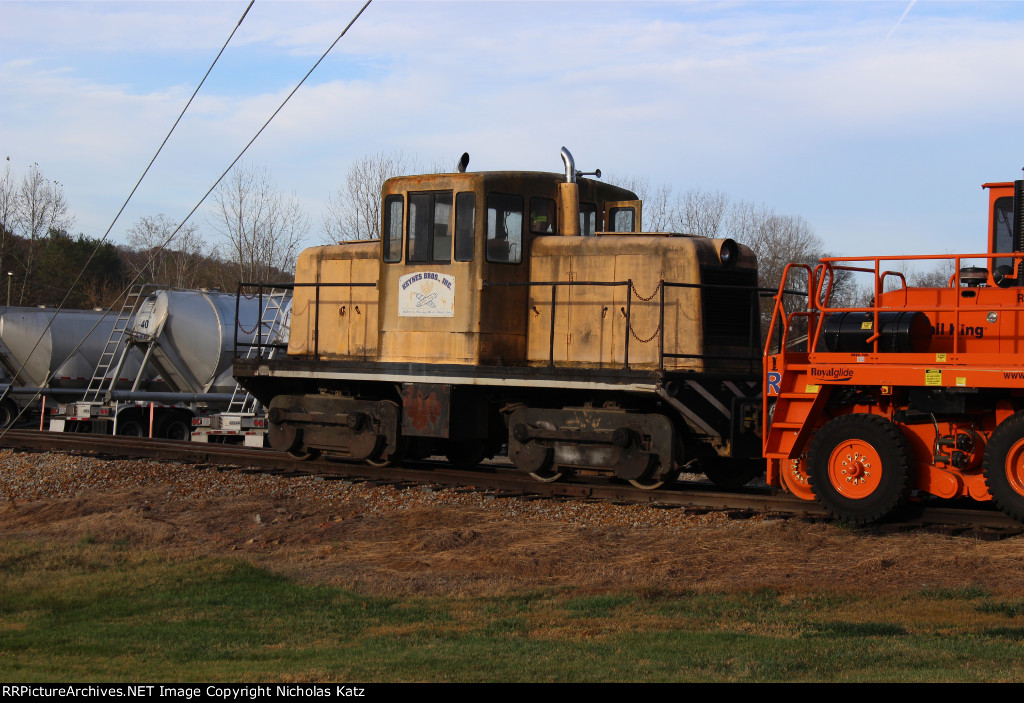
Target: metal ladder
(271, 321)
(98, 384)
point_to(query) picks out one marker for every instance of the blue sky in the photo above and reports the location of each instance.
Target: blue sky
(875, 121)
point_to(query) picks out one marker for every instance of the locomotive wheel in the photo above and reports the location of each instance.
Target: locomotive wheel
(1004, 466)
(303, 454)
(381, 459)
(653, 484)
(859, 467)
(548, 475)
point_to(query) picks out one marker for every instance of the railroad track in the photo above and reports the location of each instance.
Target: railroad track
(505, 479)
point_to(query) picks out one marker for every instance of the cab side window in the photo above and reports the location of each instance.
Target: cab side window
(588, 219)
(622, 219)
(394, 207)
(504, 228)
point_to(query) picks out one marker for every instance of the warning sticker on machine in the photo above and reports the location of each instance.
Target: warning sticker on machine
(933, 377)
(426, 294)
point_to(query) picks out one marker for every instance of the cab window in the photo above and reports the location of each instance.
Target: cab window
(465, 221)
(504, 228)
(393, 211)
(622, 219)
(1002, 229)
(542, 216)
(588, 219)
(429, 232)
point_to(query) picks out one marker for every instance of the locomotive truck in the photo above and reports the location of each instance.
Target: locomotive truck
(524, 310)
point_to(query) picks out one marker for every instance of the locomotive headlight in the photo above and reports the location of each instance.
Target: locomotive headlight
(728, 253)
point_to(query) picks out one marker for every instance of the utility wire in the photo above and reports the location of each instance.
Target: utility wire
(170, 237)
(102, 239)
(95, 250)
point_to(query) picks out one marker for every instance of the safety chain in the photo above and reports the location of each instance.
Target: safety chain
(245, 331)
(651, 296)
(637, 337)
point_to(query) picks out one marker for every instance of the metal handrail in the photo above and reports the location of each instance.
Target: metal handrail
(752, 359)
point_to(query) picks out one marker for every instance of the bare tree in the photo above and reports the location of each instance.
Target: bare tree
(696, 211)
(353, 211)
(8, 210)
(937, 276)
(263, 228)
(701, 212)
(40, 208)
(165, 260)
(657, 214)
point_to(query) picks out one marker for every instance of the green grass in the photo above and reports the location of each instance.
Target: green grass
(93, 612)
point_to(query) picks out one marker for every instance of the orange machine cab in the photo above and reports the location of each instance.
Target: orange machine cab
(913, 392)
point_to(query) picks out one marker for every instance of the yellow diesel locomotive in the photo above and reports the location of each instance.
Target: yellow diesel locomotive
(525, 312)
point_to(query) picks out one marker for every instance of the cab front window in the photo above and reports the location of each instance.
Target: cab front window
(429, 233)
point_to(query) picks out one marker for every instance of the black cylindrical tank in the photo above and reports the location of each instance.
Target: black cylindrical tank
(902, 331)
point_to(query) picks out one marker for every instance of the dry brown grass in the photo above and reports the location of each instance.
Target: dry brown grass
(462, 551)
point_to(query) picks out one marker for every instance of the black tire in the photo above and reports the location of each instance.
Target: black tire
(174, 425)
(8, 413)
(859, 468)
(1003, 466)
(131, 427)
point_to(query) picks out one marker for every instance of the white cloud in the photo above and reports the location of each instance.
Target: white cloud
(764, 100)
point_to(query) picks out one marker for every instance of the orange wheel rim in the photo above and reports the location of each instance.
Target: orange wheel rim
(855, 469)
(794, 476)
(1015, 467)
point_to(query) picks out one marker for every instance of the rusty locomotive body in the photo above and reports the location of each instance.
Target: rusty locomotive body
(524, 311)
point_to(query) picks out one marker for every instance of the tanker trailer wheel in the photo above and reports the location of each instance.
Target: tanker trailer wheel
(174, 425)
(859, 467)
(1003, 466)
(131, 425)
(8, 413)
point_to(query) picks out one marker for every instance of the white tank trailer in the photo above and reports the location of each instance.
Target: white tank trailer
(185, 339)
(46, 354)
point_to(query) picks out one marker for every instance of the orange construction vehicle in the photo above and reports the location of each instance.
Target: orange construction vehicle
(919, 391)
